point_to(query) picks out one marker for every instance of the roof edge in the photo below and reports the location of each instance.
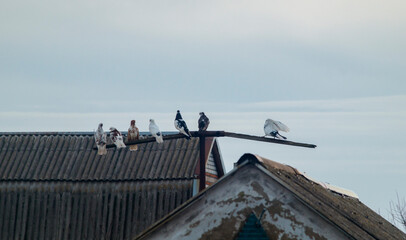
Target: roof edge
(253, 158)
(94, 180)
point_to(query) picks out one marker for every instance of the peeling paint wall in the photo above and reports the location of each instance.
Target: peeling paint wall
(221, 212)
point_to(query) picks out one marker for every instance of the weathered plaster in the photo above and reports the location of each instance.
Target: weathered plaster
(221, 212)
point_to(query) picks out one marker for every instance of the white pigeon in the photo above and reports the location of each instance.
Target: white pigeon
(117, 137)
(180, 124)
(154, 130)
(101, 139)
(272, 128)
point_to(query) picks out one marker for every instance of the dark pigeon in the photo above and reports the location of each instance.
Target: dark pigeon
(180, 124)
(203, 122)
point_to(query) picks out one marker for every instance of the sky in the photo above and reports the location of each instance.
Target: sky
(333, 71)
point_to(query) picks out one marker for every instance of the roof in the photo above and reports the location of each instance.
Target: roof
(295, 207)
(86, 210)
(53, 185)
(70, 157)
(348, 213)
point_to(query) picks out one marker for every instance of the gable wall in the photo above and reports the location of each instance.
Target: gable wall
(211, 171)
(220, 212)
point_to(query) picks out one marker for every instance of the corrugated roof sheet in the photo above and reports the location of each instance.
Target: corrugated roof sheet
(70, 157)
(86, 210)
(53, 185)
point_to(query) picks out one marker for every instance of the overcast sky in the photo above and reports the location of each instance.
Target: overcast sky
(333, 71)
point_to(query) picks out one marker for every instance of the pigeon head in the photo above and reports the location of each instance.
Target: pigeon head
(132, 122)
(151, 120)
(201, 113)
(100, 125)
(113, 129)
(178, 111)
(178, 116)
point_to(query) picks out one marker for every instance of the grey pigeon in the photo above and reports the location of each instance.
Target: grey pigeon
(101, 139)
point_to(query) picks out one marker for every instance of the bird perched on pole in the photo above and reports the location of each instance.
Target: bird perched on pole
(101, 140)
(203, 122)
(180, 124)
(272, 128)
(117, 137)
(133, 134)
(154, 130)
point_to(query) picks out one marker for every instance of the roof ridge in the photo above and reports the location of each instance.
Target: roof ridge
(99, 180)
(45, 133)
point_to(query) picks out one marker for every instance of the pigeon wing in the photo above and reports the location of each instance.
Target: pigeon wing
(281, 127)
(201, 123)
(269, 127)
(153, 128)
(272, 126)
(103, 138)
(97, 137)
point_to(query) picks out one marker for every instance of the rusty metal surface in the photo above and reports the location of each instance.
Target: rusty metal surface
(70, 157)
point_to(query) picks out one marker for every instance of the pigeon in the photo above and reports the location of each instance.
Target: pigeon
(154, 130)
(272, 128)
(116, 137)
(180, 124)
(203, 122)
(101, 139)
(133, 134)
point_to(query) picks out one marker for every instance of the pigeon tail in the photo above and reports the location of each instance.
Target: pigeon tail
(278, 135)
(133, 148)
(101, 149)
(119, 142)
(159, 139)
(282, 136)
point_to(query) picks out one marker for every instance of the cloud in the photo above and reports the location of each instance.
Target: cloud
(310, 21)
(365, 104)
(340, 113)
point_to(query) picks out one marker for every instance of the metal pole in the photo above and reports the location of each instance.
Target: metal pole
(202, 173)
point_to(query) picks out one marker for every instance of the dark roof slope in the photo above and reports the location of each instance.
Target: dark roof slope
(71, 157)
(54, 185)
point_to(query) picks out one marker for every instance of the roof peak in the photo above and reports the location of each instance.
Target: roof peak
(249, 158)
